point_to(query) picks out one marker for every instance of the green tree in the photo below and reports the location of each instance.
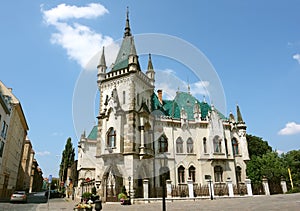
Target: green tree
(292, 161)
(269, 165)
(67, 159)
(257, 146)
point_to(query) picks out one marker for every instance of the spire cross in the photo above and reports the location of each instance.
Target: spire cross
(127, 13)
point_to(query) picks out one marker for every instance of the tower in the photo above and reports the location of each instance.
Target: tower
(150, 71)
(101, 68)
(124, 128)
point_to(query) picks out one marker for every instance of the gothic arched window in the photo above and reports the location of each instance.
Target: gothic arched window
(190, 146)
(111, 137)
(218, 170)
(163, 144)
(217, 144)
(181, 178)
(179, 145)
(235, 146)
(239, 174)
(192, 173)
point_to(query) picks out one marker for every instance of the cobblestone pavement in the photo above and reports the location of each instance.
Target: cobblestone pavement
(286, 202)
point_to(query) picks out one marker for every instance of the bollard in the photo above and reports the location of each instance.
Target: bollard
(98, 205)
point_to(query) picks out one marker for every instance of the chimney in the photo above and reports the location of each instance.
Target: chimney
(159, 93)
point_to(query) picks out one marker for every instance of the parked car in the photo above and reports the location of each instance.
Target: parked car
(18, 196)
(56, 194)
(38, 197)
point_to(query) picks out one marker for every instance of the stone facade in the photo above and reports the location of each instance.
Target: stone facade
(15, 138)
(142, 136)
(5, 112)
(23, 182)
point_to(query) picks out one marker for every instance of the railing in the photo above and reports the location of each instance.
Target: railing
(180, 190)
(201, 190)
(221, 189)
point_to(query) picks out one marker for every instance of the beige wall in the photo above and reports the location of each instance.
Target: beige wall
(16, 134)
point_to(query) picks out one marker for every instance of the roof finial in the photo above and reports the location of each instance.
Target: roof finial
(127, 27)
(127, 13)
(150, 66)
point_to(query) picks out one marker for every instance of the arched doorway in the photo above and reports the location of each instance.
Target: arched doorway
(113, 183)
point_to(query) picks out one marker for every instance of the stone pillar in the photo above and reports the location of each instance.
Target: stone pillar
(190, 188)
(249, 187)
(266, 186)
(211, 188)
(169, 188)
(283, 185)
(146, 188)
(230, 187)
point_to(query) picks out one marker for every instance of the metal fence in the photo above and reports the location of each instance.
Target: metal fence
(221, 189)
(201, 190)
(179, 190)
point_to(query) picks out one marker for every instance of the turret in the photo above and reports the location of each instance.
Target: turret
(150, 71)
(101, 68)
(132, 57)
(240, 123)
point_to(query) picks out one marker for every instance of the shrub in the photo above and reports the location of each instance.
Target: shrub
(294, 190)
(86, 195)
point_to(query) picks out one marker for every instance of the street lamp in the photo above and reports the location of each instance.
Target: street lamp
(129, 178)
(164, 192)
(164, 171)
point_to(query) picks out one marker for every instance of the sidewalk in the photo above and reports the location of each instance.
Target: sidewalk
(65, 204)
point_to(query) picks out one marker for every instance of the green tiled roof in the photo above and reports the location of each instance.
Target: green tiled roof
(93, 134)
(122, 58)
(172, 108)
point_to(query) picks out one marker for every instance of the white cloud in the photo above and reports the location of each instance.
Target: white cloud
(80, 41)
(170, 84)
(199, 88)
(64, 12)
(297, 57)
(291, 128)
(45, 153)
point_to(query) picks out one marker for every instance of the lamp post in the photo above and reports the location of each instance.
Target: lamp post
(163, 177)
(164, 192)
(129, 179)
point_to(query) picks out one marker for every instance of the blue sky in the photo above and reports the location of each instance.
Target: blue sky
(254, 47)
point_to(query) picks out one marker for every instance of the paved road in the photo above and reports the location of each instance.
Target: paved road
(288, 202)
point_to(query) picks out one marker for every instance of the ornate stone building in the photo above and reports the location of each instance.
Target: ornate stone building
(140, 135)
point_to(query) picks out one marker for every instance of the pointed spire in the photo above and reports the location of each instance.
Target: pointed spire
(127, 32)
(102, 61)
(239, 115)
(150, 66)
(231, 117)
(101, 67)
(150, 71)
(132, 47)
